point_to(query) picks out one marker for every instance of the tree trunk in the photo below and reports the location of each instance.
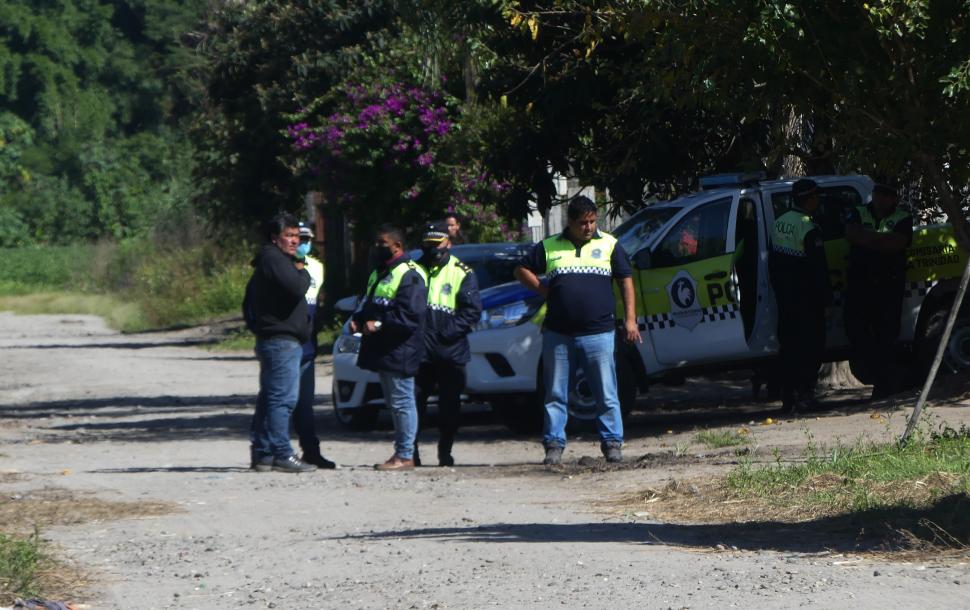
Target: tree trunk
(837, 376)
(951, 207)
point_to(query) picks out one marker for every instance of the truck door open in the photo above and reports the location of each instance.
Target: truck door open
(693, 315)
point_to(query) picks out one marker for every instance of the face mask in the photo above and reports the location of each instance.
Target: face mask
(382, 254)
(302, 250)
(432, 254)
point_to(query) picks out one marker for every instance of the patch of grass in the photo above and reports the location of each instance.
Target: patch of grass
(44, 508)
(864, 476)
(241, 340)
(913, 498)
(715, 439)
(21, 560)
(235, 341)
(116, 313)
(47, 268)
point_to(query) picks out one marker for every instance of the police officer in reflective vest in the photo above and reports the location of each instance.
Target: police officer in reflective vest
(391, 320)
(799, 276)
(454, 308)
(302, 417)
(878, 234)
(580, 326)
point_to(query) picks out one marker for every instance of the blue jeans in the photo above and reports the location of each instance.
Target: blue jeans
(560, 356)
(399, 397)
(279, 388)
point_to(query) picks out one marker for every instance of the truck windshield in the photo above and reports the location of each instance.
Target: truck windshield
(637, 232)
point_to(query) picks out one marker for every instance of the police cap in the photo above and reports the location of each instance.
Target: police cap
(305, 230)
(435, 232)
(803, 189)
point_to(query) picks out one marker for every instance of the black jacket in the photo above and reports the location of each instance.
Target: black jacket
(276, 296)
(398, 347)
(446, 334)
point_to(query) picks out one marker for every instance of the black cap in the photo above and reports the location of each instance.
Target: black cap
(803, 189)
(435, 232)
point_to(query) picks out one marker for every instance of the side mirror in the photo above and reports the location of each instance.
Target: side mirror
(641, 260)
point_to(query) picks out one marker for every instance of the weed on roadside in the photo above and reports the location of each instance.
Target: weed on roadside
(912, 497)
(716, 439)
(29, 568)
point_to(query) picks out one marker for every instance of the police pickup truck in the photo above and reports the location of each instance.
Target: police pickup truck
(704, 299)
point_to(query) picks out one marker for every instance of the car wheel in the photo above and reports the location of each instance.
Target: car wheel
(956, 358)
(522, 414)
(363, 417)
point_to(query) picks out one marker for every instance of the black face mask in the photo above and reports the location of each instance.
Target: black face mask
(432, 254)
(382, 254)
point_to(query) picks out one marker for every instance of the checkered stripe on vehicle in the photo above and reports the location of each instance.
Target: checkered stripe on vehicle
(656, 322)
(919, 289)
(719, 312)
(580, 270)
(708, 314)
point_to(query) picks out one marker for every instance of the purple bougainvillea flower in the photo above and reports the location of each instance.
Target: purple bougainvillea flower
(426, 159)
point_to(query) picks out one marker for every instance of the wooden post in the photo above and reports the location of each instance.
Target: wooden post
(950, 321)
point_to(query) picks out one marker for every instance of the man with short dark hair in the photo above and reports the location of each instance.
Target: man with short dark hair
(579, 328)
(879, 234)
(454, 308)
(391, 319)
(800, 279)
(276, 310)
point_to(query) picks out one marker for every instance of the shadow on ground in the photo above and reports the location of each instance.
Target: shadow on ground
(868, 530)
(166, 417)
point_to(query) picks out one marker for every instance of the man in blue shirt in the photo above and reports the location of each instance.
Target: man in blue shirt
(580, 266)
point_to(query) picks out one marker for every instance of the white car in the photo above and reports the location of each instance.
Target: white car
(357, 396)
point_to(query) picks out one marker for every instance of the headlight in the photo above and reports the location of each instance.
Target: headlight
(511, 314)
(347, 344)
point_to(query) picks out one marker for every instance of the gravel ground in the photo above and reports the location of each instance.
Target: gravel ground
(153, 417)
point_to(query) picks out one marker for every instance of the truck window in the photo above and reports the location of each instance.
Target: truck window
(699, 235)
(834, 201)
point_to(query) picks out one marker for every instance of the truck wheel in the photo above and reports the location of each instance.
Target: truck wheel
(522, 414)
(363, 417)
(956, 358)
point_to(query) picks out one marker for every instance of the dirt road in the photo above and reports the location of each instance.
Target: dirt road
(153, 417)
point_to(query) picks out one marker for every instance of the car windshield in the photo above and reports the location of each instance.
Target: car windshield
(637, 232)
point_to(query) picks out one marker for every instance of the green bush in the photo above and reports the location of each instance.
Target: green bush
(40, 268)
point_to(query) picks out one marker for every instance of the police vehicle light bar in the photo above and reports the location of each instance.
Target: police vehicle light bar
(716, 181)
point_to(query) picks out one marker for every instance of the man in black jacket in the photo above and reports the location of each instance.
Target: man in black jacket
(391, 320)
(276, 311)
(454, 308)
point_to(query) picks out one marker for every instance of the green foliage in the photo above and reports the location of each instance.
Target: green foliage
(269, 59)
(44, 268)
(135, 284)
(864, 476)
(95, 91)
(21, 559)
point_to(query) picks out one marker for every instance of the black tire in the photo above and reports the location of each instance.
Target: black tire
(361, 419)
(522, 414)
(956, 359)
